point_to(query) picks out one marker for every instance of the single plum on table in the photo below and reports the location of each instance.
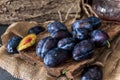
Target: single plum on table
(12, 44)
(56, 26)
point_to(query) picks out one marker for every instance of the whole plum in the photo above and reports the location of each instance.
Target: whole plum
(36, 30)
(94, 21)
(45, 45)
(81, 24)
(99, 38)
(55, 57)
(67, 43)
(12, 44)
(55, 26)
(60, 34)
(83, 50)
(92, 73)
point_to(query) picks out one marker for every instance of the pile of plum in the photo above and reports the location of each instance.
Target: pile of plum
(79, 44)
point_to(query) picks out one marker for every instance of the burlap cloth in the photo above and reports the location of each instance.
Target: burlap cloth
(27, 66)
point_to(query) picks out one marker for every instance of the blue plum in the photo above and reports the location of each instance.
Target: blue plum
(55, 57)
(36, 30)
(81, 24)
(93, 72)
(60, 34)
(83, 50)
(67, 43)
(94, 21)
(99, 38)
(12, 44)
(56, 26)
(45, 45)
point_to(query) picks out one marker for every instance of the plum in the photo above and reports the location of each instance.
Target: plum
(94, 21)
(12, 44)
(80, 34)
(55, 57)
(93, 72)
(36, 30)
(81, 24)
(83, 50)
(67, 43)
(99, 38)
(45, 45)
(60, 34)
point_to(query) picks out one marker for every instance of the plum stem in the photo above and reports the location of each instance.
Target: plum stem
(108, 44)
(64, 72)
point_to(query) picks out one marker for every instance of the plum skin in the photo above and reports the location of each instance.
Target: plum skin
(80, 34)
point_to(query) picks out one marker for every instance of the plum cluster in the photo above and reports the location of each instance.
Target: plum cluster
(61, 45)
(78, 44)
(55, 48)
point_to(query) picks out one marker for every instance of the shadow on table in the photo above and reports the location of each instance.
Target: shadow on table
(4, 75)
(3, 27)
